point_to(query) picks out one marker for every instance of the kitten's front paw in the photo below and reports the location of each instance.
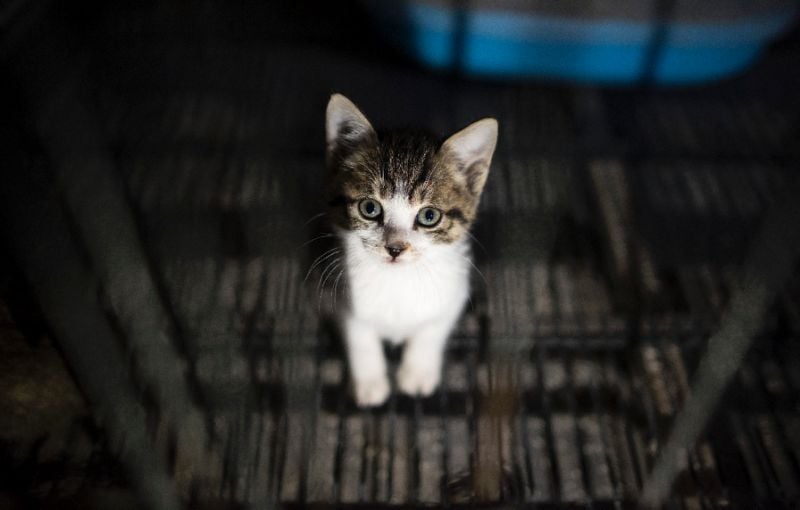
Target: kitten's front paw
(418, 380)
(371, 392)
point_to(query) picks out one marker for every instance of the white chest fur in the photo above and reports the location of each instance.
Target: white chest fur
(397, 299)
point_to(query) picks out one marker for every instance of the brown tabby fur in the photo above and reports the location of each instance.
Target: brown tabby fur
(410, 162)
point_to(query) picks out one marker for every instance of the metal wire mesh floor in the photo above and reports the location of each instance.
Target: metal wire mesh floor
(611, 231)
(546, 399)
(570, 428)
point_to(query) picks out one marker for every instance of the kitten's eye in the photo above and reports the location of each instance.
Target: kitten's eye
(369, 208)
(429, 217)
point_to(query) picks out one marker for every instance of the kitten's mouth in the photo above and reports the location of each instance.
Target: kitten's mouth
(398, 261)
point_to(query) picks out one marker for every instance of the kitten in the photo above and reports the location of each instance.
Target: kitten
(402, 205)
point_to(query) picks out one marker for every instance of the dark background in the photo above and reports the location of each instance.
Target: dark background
(160, 162)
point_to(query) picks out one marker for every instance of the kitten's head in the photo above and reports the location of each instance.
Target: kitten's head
(403, 193)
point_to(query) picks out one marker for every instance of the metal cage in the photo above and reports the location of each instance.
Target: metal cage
(631, 336)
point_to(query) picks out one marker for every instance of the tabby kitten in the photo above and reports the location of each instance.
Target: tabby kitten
(402, 204)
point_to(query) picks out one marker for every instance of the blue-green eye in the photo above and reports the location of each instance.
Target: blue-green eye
(429, 217)
(369, 208)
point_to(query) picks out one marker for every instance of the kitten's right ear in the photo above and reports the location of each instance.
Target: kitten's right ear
(473, 148)
(345, 125)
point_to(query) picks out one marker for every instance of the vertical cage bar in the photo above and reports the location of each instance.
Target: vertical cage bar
(39, 234)
(769, 262)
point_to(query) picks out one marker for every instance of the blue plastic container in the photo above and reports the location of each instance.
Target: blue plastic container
(610, 41)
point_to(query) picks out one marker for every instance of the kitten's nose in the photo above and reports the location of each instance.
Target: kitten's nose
(396, 249)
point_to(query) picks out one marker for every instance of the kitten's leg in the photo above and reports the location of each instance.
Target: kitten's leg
(421, 368)
(367, 364)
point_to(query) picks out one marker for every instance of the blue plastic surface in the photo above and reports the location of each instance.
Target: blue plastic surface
(502, 43)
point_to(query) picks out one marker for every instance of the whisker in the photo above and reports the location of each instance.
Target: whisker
(315, 217)
(332, 265)
(330, 269)
(323, 236)
(335, 287)
(480, 244)
(485, 282)
(320, 259)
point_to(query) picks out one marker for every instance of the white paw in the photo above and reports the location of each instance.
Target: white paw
(418, 379)
(371, 392)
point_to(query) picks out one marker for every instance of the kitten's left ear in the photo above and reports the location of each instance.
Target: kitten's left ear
(473, 148)
(345, 125)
